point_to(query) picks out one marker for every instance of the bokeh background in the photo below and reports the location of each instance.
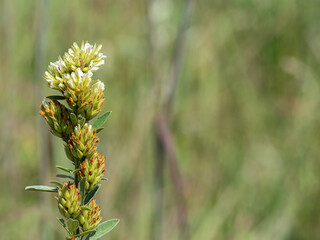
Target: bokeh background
(234, 152)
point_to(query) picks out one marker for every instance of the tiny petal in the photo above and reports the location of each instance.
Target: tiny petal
(87, 46)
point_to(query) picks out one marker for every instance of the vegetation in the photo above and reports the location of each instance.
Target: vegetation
(244, 119)
(72, 76)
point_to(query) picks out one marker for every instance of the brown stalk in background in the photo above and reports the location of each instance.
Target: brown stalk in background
(164, 140)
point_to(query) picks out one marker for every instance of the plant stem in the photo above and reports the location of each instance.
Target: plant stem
(76, 174)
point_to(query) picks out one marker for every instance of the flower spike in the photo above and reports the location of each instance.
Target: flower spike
(72, 76)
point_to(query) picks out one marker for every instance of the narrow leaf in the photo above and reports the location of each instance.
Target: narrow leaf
(82, 184)
(73, 225)
(100, 129)
(64, 176)
(85, 233)
(104, 228)
(90, 236)
(100, 120)
(61, 221)
(56, 97)
(56, 183)
(91, 194)
(64, 169)
(104, 179)
(41, 188)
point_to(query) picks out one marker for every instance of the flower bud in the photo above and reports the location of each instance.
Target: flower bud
(58, 118)
(92, 168)
(69, 201)
(82, 142)
(96, 100)
(89, 219)
(83, 95)
(54, 74)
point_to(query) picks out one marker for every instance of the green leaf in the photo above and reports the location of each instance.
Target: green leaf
(64, 176)
(100, 120)
(104, 179)
(56, 97)
(64, 169)
(85, 233)
(56, 183)
(89, 237)
(86, 208)
(73, 225)
(100, 129)
(91, 194)
(41, 188)
(82, 184)
(61, 221)
(103, 229)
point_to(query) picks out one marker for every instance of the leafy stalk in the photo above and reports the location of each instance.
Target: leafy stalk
(72, 75)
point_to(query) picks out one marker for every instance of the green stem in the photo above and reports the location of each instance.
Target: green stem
(76, 174)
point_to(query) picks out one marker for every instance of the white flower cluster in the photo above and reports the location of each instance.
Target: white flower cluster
(77, 64)
(72, 76)
(78, 79)
(54, 75)
(87, 57)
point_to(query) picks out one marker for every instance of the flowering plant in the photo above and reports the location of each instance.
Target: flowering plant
(71, 75)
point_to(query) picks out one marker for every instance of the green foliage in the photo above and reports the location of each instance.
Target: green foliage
(64, 169)
(56, 97)
(245, 120)
(91, 194)
(65, 176)
(72, 76)
(56, 183)
(100, 120)
(100, 129)
(82, 189)
(41, 188)
(103, 229)
(73, 225)
(85, 233)
(61, 221)
(86, 208)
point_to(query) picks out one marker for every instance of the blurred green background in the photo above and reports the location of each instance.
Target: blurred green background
(244, 119)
